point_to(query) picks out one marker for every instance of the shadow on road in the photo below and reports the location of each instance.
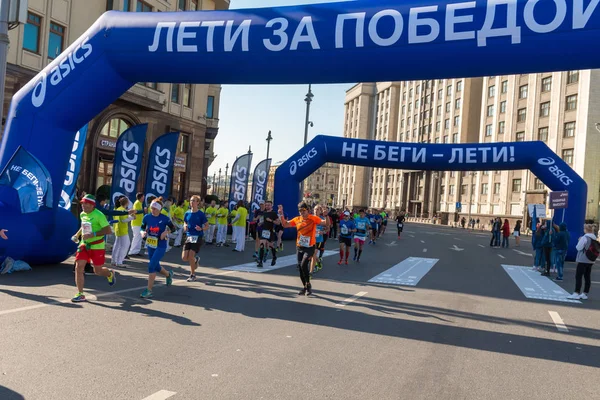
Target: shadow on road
(7, 394)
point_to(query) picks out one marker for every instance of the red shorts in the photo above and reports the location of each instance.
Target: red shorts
(96, 257)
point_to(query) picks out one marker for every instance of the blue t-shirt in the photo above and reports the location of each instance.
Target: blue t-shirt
(319, 233)
(154, 227)
(346, 228)
(362, 224)
(193, 219)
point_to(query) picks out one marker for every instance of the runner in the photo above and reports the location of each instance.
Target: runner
(155, 228)
(121, 228)
(267, 235)
(400, 223)
(195, 223)
(222, 214)
(256, 227)
(94, 226)
(320, 235)
(373, 226)
(279, 233)
(211, 215)
(384, 223)
(306, 225)
(362, 226)
(347, 227)
(177, 220)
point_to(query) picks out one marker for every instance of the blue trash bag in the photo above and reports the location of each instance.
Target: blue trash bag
(9, 266)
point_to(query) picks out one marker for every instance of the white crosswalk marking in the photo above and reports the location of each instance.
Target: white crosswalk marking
(417, 267)
(160, 395)
(535, 286)
(282, 262)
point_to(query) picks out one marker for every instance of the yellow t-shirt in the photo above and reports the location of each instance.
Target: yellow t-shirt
(243, 213)
(186, 205)
(163, 211)
(222, 214)
(232, 215)
(138, 206)
(178, 215)
(121, 228)
(211, 215)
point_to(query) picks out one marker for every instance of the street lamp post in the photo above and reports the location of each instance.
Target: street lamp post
(269, 138)
(226, 188)
(308, 100)
(213, 182)
(471, 196)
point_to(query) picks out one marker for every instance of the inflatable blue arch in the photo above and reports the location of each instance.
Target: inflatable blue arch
(361, 41)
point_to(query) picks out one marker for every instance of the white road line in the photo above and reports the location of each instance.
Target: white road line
(501, 256)
(424, 250)
(160, 395)
(560, 325)
(412, 236)
(457, 239)
(480, 245)
(422, 241)
(351, 299)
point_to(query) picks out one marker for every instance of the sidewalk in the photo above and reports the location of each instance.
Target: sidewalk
(482, 228)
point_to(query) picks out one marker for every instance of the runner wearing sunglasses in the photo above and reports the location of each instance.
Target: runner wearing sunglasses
(306, 225)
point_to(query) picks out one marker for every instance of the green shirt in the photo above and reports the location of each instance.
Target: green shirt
(138, 217)
(222, 214)
(243, 213)
(94, 221)
(211, 215)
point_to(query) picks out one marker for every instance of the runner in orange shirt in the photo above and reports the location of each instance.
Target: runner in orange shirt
(306, 225)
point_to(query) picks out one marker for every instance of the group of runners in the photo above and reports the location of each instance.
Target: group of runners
(156, 225)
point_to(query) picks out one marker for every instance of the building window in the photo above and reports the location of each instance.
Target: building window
(484, 188)
(504, 86)
(440, 94)
(459, 86)
(569, 129)
(438, 125)
(567, 156)
(521, 114)
(455, 138)
(31, 36)
(447, 107)
(502, 107)
(520, 137)
(538, 184)
(501, 127)
(516, 185)
(193, 5)
(181, 5)
(523, 92)
(409, 107)
(488, 130)
(187, 95)
(210, 105)
(571, 103)
(143, 7)
(497, 188)
(184, 144)
(545, 109)
(456, 120)
(127, 5)
(463, 190)
(109, 5)
(490, 111)
(572, 77)
(410, 93)
(446, 139)
(457, 104)
(446, 124)
(451, 190)
(442, 190)
(55, 40)
(152, 85)
(438, 110)
(175, 93)
(543, 134)
(547, 84)
(449, 91)
(492, 91)
(114, 128)
(408, 121)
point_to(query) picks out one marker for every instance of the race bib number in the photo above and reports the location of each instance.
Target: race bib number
(266, 234)
(86, 228)
(304, 241)
(400, 225)
(344, 230)
(261, 220)
(192, 239)
(152, 242)
(361, 225)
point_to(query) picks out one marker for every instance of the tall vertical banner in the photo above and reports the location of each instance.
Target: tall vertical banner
(30, 178)
(259, 183)
(240, 172)
(159, 173)
(75, 161)
(128, 163)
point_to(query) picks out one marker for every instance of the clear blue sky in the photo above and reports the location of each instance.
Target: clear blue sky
(248, 112)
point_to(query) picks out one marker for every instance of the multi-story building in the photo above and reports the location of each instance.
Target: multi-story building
(557, 108)
(271, 179)
(191, 109)
(322, 185)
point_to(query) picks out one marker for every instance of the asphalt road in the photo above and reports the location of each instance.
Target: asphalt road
(465, 330)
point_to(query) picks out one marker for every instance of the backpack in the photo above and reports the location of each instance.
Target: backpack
(593, 250)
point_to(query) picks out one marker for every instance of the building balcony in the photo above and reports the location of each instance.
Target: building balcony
(147, 98)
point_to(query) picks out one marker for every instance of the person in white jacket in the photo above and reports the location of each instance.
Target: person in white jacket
(584, 265)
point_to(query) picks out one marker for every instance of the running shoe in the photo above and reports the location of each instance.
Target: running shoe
(197, 259)
(112, 279)
(192, 278)
(340, 262)
(259, 265)
(255, 255)
(170, 278)
(273, 261)
(302, 292)
(78, 298)
(146, 294)
(346, 261)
